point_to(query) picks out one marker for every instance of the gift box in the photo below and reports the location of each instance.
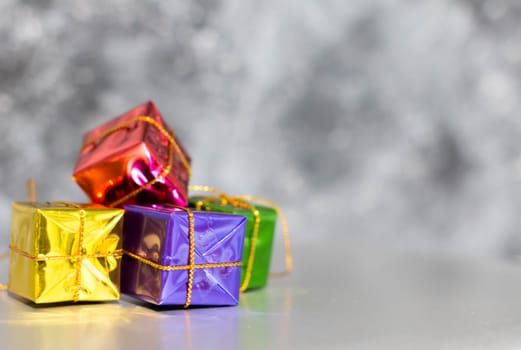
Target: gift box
(63, 252)
(134, 158)
(260, 229)
(174, 256)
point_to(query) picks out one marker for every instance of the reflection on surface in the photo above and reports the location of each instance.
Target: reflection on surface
(121, 325)
(201, 328)
(17, 312)
(265, 318)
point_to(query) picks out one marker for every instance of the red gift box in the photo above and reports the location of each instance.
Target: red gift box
(134, 158)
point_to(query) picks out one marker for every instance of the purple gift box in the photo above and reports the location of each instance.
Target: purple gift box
(175, 256)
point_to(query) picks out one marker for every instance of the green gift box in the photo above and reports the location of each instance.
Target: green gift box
(258, 243)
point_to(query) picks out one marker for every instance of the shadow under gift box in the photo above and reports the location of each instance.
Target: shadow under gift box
(156, 264)
(255, 270)
(134, 158)
(63, 252)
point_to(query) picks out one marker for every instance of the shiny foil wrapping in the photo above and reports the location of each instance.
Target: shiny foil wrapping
(260, 269)
(160, 235)
(122, 160)
(60, 253)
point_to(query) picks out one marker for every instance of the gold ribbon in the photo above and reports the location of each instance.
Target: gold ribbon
(240, 202)
(191, 266)
(172, 146)
(79, 261)
(78, 257)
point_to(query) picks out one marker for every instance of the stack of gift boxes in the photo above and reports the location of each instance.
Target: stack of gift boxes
(142, 235)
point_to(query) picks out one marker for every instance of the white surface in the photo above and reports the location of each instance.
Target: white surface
(350, 295)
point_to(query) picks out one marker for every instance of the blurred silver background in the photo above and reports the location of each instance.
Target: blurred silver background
(392, 120)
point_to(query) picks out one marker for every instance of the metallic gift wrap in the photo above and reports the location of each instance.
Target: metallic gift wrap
(134, 158)
(257, 257)
(174, 256)
(63, 252)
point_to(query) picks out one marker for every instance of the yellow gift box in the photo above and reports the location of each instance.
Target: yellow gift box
(63, 252)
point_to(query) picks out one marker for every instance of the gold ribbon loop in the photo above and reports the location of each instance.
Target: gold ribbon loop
(208, 189)
(241, 202)
(172, 146)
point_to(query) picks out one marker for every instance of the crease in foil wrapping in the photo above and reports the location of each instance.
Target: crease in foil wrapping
(58, 256)
(159, 234)
(120, 159)
(260, 267)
